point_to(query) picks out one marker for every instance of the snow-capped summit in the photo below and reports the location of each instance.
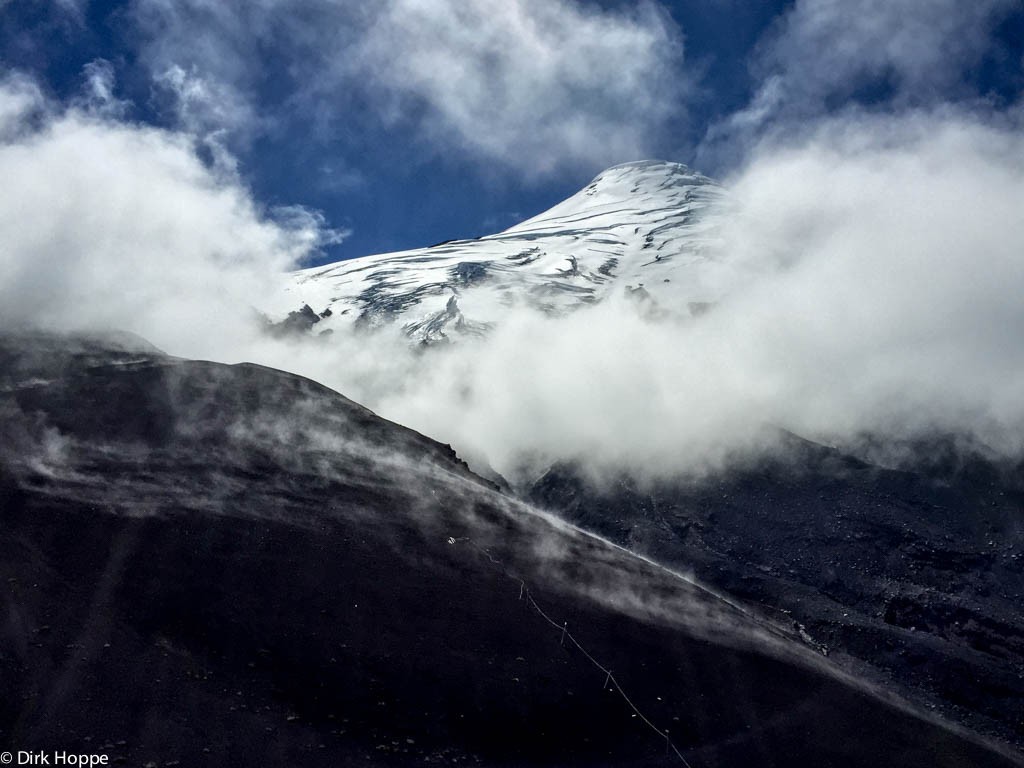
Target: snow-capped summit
(638, 226)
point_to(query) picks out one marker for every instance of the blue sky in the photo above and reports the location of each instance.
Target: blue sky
(406, 122)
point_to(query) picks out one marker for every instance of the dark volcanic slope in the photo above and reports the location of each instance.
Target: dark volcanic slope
(228, 565)
(918, 573)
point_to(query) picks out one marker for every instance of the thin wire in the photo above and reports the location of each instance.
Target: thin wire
(563, 629)
(610, 677)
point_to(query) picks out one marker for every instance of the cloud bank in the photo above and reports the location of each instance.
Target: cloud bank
(879, 274)
(878, 281)
(112, 224)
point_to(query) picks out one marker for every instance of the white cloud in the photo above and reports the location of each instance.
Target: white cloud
(822, 53)
(534, 85)
(22, 101)
(211, 110)
(881, 281)
(538, 84)
(98, 92)
(108, 224)
(882, 275)
(203, 106)
(308, 228)
(880, 255)
(828, 47)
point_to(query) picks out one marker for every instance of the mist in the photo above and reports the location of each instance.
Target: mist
(872, 269)
(875, 270)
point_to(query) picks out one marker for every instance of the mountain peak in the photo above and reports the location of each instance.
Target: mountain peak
(644, 223)
(638, 186)
(649, 166)
(651, 172)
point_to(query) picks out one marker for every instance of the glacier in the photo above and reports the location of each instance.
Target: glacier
(648, 230)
